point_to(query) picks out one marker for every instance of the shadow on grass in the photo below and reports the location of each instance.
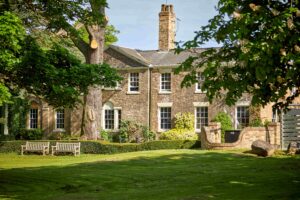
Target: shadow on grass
(186, 176)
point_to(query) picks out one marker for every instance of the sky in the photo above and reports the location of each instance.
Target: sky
(137, 20)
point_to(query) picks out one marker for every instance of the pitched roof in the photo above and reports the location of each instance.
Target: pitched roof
(156, 58)
(131, 53)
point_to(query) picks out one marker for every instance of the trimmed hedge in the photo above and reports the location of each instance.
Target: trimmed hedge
(97, 147)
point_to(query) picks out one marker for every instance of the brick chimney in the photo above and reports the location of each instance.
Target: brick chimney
(167, 20)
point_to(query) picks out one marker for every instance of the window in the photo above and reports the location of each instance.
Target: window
(60, 119)
(33, 118)
(119, 118)
(165, 118)
(200, 80)
(111, 117)
(165, 82)
(242, 116)
(201, 117)
(275, 116)
(134, 82)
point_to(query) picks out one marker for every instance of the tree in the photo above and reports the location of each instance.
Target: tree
(260, 52)
(55, 74)
(61, 15)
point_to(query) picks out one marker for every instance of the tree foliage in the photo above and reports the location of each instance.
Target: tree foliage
(53, 74)
(260, 52)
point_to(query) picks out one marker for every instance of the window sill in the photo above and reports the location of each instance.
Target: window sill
(165, 92)
(200, 92)
(112, 130)
(162, 130)
(112, 89)
(134, 93)
(58, 130)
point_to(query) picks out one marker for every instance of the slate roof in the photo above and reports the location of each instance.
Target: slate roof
(156, 58)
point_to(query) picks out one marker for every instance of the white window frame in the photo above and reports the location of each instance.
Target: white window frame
(198, 129)
(237, 123)
(116, 120)
(160, 129)
(199, 83)
(56, 118)
(37, 118)
(162, 82)
(130, 87)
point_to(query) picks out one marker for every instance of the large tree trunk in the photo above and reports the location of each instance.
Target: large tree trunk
(93, 100)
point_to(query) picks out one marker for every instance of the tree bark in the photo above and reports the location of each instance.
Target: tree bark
(93, 100)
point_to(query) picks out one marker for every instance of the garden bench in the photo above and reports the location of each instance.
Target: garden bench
(66, 147)
(35, 147)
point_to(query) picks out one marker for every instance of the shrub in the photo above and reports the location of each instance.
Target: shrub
(184, 121)
(148, 135)
(256, 123)
(105, 135)
(96, 147)
(225, 121)
(7, 137)
(179, 134)
(57, 136)
(184, 128)
(131, 131)
(30, 134)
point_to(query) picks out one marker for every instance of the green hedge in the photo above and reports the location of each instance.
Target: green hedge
(97, 147)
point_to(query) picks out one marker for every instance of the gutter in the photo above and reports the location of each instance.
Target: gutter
(150, 67)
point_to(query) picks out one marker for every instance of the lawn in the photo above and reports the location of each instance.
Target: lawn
(163, 174)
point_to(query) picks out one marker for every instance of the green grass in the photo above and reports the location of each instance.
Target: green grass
(164, 174)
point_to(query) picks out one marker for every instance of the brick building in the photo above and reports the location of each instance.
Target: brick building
(150, 92)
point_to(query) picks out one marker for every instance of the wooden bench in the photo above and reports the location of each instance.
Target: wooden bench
(66, 147)
(35, 147)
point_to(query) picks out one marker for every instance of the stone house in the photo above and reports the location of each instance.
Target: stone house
(150, 92)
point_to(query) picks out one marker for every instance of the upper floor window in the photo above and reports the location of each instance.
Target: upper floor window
(165, 118)
(200, 80)
(165, 82)
(242, 116)
(201, 117)
(33, 118)
(60, 119)
(134, 82)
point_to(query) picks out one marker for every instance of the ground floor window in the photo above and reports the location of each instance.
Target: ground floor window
(201, 117)
(111, 117)
(33, 118)
(165, 118)
(242, 116)
(60, 119)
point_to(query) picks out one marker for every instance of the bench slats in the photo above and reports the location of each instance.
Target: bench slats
(36, 147)
(66, 147)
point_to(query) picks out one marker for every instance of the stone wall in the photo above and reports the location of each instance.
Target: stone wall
(248, 135)
(181, 99)
(134, 106)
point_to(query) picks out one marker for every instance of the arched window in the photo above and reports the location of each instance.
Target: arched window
(111, 117)
(34, 115)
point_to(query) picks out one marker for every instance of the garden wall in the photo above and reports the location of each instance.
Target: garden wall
(211, 136)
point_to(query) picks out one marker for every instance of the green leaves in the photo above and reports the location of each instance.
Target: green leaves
(58, 76)
(12, 35)
(258, 45)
